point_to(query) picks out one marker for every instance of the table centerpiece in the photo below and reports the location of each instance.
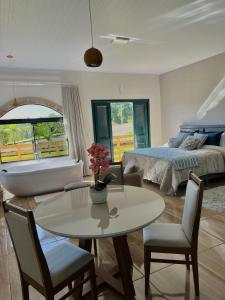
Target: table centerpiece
(99, 160)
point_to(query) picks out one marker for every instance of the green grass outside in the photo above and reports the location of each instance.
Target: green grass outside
(16, 158)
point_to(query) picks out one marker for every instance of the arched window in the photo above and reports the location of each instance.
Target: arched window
(32, 132)
(30, 111)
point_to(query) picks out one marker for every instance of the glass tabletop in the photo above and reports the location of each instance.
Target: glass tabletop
(72, 214)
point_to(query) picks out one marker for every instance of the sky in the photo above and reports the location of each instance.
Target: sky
(29, 112)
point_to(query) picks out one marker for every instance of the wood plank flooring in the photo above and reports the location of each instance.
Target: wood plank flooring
(167, 281)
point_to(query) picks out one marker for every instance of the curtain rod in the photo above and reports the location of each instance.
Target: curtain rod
(33, 83)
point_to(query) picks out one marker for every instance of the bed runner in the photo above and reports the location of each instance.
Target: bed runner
(179, 158)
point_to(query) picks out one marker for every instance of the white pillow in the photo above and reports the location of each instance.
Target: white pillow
(190, 143)
(222, 140)
(202, 138)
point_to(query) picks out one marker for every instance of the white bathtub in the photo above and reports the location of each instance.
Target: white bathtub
(40, 177)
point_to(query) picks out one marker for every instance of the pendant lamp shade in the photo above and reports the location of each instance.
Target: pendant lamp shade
(92, 56)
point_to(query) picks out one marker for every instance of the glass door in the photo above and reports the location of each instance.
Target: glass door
(122, 125)
(122, 128)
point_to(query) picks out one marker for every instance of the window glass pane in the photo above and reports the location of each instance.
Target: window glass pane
(122, 128)
(50, 139)
(23, 138)
(16, 142)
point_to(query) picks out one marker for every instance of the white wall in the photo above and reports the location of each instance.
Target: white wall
(184, 90)
(92, 85)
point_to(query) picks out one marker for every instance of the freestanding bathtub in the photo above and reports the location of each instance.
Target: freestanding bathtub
(41, 177)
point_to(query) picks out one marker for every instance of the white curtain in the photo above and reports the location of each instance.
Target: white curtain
(74, 125)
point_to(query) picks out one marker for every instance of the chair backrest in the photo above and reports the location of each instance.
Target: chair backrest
(117, 169)
(22, 229)
(192, 208)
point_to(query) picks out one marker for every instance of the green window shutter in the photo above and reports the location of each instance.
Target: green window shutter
(141, 123)
(102, 124)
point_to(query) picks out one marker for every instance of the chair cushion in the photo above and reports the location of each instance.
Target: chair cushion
(64, 259)
(165, 235)
(134, 179)
(116, 170)
(131, 167)
(190, 208)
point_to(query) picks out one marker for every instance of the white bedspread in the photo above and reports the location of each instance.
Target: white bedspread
(211, 161)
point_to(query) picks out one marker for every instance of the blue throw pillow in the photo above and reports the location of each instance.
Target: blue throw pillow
(213, 138)
(182, 135)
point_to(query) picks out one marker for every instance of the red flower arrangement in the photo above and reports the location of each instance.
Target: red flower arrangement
(99, 158)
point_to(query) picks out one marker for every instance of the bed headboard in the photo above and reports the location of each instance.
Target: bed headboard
(190, 127)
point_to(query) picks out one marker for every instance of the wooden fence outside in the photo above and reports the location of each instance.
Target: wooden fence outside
(25, 151)
(122, 143)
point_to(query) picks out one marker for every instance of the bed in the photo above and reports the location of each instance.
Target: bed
(170, 167)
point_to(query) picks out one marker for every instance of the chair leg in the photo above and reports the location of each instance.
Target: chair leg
(93, 283)
(70, 286)
(147, 263)
(195, 272)
(95, 248)
(187, 260)
(25, 289)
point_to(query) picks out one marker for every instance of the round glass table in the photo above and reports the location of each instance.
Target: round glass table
(128, 209)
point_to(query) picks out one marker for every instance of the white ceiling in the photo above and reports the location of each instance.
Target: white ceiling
(53, 34)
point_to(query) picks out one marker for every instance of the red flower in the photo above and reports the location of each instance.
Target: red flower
(99, 158)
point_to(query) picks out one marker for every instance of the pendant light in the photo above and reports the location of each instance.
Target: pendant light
(92, 56)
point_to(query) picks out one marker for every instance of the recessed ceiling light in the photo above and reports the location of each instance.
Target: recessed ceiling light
(119, 39)
(10, 56)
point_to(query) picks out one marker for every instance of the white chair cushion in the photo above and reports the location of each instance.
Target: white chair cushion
(131, 167)
(116, 170)
(64, 259)
(165, 235)
(190, 208)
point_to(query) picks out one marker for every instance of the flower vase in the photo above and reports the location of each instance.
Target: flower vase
(98, 197)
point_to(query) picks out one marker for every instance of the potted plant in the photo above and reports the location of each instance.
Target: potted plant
(99, 154)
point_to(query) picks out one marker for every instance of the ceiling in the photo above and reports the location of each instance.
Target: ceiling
(53, 34)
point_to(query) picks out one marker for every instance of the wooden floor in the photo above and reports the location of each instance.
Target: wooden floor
(167, 281)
